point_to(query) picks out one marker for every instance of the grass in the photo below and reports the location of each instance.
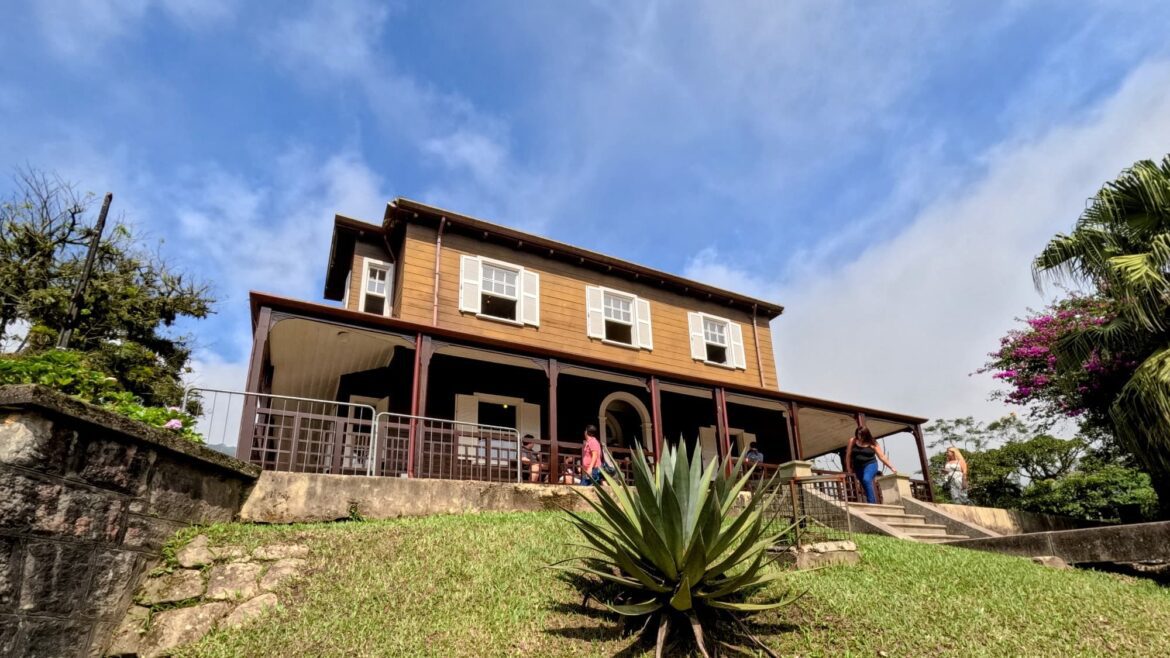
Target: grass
(474, 586)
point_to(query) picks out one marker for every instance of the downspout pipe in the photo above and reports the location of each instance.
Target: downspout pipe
(438, 251)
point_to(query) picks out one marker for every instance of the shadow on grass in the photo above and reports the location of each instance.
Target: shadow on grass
(609, 626)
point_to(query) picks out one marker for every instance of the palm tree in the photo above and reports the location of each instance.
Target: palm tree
(1121, 246)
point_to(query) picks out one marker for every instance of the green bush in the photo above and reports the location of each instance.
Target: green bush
(671, 550)
(73, 374)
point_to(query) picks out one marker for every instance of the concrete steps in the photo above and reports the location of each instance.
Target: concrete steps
(896, 522)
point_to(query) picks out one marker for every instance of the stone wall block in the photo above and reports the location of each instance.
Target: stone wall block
(10, 644)
(113, 570)
(180, 493)
(55, 577)
(20, 496)
(112, 464)
(77, 512)
(33, 441)
(10, 573)
(149, 533)
(54, 638)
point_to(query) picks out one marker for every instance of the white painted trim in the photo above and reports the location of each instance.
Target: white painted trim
(387, 301)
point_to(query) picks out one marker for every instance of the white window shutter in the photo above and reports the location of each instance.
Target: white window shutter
(594, 312)
(642, 316)
(469, 283)
(738, 359)
(530, 297)
(698, 343)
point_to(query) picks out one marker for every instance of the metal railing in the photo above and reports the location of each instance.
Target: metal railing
(817, 506)
(920, 490)
(288, 433)
(446, 449)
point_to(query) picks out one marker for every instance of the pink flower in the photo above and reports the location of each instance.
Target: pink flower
(174, 424)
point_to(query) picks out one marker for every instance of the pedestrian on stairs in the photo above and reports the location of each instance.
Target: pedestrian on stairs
(955, 476)
(861, 458)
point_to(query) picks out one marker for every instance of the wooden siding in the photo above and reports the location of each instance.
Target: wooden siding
(562, 309)
(361, 251)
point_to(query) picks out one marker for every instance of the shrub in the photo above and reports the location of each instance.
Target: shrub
(72, 373)
(674, 552)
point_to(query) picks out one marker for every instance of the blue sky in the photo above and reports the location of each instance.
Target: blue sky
(885, 170)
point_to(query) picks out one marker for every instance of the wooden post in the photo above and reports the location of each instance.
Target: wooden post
(418, 396)
(86, 270)
(924, 461)
(656, 416)
(554, 456)
(721, 426)
(799, 456)
(791, 435)
(252, 385)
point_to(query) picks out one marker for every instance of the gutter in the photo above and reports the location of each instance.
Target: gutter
(438, 252)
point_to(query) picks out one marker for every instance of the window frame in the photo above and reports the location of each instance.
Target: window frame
(729, 359)
(519, 285)
(388, 268)
(630, 299)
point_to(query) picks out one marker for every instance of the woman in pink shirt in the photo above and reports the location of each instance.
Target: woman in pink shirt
(591, 457)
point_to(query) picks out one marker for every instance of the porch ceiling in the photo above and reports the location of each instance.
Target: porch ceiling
(825, 431)
(309, 357)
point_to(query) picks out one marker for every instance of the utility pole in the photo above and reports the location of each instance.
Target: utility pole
(79, 292)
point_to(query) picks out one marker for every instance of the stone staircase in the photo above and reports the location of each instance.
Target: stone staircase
(897, 523)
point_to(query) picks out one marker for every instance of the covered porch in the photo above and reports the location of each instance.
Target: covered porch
(375, 396)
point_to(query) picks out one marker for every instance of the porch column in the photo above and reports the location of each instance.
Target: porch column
(788, 421)
(423, 350)
(656, 415)
(721, 425)
(798, 455)
(554, 459)
(252, 385)
(924, 461)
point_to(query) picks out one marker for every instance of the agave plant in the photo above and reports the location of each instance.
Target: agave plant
(673, 549)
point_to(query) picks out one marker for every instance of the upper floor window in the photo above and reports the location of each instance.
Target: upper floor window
(499, 291)
(716, 340)
(376, 281)
(618, 317)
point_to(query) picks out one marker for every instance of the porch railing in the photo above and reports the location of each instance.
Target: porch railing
(446, 449)
(286, 433)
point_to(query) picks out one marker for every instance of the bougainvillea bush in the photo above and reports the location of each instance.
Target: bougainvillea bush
(74, 375)
(1035, 363)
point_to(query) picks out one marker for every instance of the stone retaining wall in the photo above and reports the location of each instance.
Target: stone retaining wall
(87, 499)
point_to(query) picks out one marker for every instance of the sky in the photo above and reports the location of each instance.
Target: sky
(886, 171)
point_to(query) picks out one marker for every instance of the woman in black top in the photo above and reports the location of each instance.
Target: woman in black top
(861, 460)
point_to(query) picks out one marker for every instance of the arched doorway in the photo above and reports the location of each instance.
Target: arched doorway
(624, 422)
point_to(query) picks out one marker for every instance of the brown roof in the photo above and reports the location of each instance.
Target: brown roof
(406, 210)
(276, 302)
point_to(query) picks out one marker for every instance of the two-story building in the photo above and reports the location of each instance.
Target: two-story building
(459, 336)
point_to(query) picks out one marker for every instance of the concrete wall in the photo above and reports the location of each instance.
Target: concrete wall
(1138, 542)
(87, 499)
(1014, 522)
(302, 497)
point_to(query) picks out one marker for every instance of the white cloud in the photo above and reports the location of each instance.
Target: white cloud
(903, 325)
(76, 30)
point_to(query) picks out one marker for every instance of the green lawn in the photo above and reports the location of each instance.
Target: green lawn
(473, 586)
